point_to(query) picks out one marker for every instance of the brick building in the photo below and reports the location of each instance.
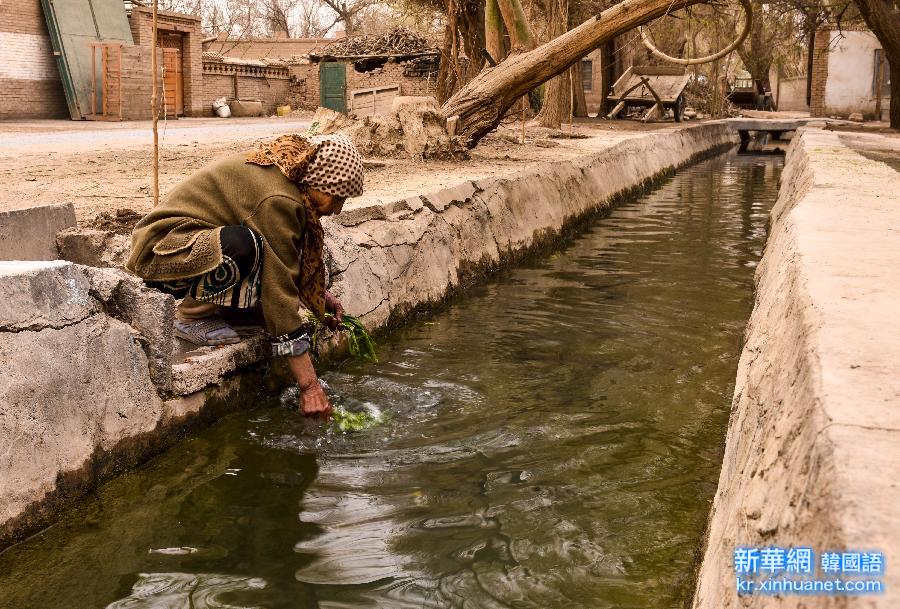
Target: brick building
(29, 80)
(592, 80)
(411, 78)
(275, 71)
(121, 83)
(181, 61)
(844, 74)
(124, 79)
(353, 84)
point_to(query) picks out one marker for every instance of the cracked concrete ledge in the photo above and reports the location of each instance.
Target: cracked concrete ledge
(812, 453)
(205, 366)
(114, 397)
(30, 233)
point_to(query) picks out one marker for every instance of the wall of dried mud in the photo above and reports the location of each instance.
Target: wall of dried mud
(89, 390)
(811, 450)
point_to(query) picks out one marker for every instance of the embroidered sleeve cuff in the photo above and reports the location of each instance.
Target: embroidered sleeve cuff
(284, 346)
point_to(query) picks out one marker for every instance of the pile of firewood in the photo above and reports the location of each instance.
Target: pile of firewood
(399, 41)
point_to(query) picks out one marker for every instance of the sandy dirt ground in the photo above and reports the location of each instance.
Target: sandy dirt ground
(104, 167)
(884, 147)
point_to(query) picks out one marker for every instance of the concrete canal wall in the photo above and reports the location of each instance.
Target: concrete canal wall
(811, 456)
(93, 382)
(390, 258)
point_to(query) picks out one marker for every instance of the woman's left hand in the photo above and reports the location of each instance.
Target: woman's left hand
(333, 306)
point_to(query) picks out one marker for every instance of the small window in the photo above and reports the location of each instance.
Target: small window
(881, 60)
(587, 74)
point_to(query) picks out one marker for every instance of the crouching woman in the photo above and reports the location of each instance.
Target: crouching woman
(245, 230)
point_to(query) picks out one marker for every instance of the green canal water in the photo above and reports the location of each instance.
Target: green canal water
(551, 440)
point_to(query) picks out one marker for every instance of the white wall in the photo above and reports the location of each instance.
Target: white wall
(851, 69)
(27, 57)
(792, 94)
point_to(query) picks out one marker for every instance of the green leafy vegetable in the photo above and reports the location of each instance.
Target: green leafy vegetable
(354, 421)
(361, 345)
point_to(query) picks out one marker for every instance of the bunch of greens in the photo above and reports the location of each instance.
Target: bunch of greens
(361, 345)
(354, 421)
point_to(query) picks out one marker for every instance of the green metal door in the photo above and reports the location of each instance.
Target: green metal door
(333, 85)
(73, 24)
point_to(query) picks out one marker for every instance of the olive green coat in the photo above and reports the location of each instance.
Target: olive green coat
(180, 237)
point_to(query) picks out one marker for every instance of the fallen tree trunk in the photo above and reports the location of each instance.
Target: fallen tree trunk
(483, 101)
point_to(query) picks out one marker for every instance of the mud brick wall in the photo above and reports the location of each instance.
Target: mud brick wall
(29, 78)
(136, 85)
(236, 81)
(388, 75)
(303, 93)
(215, 86)
(266, 48)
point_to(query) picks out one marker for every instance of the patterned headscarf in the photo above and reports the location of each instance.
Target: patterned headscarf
(329, 163)
(337, 167)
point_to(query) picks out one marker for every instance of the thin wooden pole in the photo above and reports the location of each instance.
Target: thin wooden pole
(119, 79)
(93, 79)
(572, 85)
(105, 74)
(523, 119)
(154, 105)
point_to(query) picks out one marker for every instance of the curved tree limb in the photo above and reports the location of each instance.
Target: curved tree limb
(748, 25)
(483, 101)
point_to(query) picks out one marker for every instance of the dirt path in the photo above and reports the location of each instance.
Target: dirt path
(105, 167)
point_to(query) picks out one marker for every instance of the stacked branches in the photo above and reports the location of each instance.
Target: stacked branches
(397, 42)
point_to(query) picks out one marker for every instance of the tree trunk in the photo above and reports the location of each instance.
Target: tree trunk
(470, 24)
(446, 75)
(894, 113)
(493, 31)
(756, 53)
(717, 99)
(483, 101)
(463, 33)
(555, 108)
(607, 75)
(558, 93)
(884, 22)
(521, 37)
(580, 104)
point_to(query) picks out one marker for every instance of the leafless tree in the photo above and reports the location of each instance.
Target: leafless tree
(310, 22)
(348, 12)
(277, 15)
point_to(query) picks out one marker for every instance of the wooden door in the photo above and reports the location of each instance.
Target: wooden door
(374, 101)
(333, 85)
(173, 82)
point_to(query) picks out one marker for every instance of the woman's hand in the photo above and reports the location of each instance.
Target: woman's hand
(313, 401)
(333, 306)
